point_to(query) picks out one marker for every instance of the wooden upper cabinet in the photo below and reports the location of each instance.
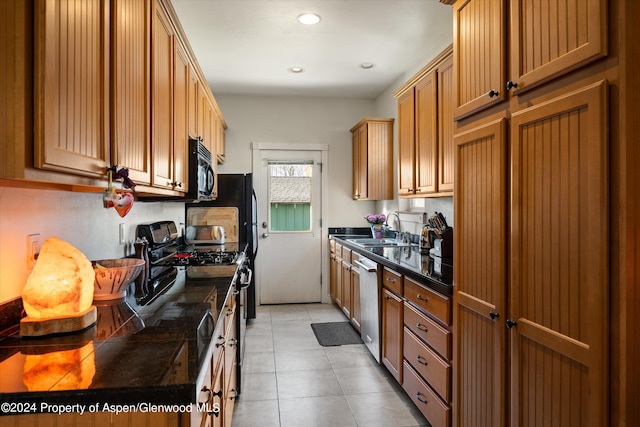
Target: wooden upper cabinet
(162, 98)
(446, 126)
(72, 81)
(479, 297)
(479, 54)
(194, 98)
(559, 37)
(131, 97)
(406, 142)
(359, 149)
(372, 140)
(181, 82)
(426, 134)
(547, 40)
(559, 290)
(425, 131)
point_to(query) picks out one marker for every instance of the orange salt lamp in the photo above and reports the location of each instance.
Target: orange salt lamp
(61, 282)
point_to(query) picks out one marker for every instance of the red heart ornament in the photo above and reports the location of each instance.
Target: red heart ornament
(124, 203)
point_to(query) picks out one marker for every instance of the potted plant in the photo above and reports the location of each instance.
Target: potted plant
(376, 221)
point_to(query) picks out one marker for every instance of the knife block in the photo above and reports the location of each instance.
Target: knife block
(443, 246)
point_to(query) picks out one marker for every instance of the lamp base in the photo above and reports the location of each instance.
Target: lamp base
(31, 327)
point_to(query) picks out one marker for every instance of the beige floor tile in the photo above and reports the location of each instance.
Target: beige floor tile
(258, 413)
(350, 356)
(321, 411)
(302, 360)
(295, 342)
(321, 382)
(290, 328)
(384, 410)
(259, 343)
(259, 386)
(259, 328)
(290, 316)
(364, 379)
(257, 362)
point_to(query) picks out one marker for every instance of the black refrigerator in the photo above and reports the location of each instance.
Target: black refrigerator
(236, 190)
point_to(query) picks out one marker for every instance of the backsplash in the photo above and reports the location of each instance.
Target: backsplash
(78, 218)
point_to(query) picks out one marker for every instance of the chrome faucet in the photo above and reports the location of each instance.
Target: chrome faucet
(397, 216)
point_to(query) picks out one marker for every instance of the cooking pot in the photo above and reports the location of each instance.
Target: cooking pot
(212, 234)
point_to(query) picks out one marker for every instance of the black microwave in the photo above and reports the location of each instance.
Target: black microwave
(202, 178)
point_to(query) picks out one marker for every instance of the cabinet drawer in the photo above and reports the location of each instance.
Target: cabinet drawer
(338, 251)
(430, 301)
(346, 255)
(428, 330)
(392, 281)
(433, 369)
(435, 410)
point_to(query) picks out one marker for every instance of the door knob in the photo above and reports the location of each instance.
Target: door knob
(265, 235)
(264, 224)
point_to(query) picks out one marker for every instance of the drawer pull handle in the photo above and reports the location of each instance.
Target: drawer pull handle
(421, 360)
(422, 327)
(388, 298)
(418, 396)
(391, 279)
(419, 296)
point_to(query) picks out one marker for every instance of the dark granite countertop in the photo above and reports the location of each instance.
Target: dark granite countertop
(141, 350)
(407, 260)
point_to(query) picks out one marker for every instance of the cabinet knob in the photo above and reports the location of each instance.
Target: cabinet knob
(493, 315)
(493, 93)
(511, 85)
(176, 184)
(511, 323)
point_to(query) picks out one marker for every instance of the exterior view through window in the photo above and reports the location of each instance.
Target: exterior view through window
(290, 196)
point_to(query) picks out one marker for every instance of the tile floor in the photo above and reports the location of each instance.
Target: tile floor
(291, 380)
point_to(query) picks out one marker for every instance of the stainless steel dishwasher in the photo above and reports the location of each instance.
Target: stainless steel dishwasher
(369, 305)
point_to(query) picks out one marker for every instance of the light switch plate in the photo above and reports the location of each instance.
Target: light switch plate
(33, 249)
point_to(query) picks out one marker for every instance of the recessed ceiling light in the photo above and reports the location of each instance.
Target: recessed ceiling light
(309, 18)
(366, 65)
(295, 70)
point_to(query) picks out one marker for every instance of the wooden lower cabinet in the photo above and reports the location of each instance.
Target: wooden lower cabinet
(347, 285)
(392, 333)
(427, 401)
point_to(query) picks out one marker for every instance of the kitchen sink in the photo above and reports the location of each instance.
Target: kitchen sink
(371, 242)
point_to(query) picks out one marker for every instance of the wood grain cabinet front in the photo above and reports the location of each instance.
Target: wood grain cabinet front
(425, 131)
(392, 333)
(372, 140)
(425, 399)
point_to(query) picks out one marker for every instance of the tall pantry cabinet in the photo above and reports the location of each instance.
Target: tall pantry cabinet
(531, 295)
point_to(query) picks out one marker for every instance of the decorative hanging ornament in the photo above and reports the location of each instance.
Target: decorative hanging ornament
(120, 200)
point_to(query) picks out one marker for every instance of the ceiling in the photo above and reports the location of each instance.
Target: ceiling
(245, 47)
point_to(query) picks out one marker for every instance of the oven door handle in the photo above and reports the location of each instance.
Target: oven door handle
(245, 277)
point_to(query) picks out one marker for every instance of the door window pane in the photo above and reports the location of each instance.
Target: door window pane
(290, 196)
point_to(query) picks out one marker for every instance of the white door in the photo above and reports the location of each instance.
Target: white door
(289, 193)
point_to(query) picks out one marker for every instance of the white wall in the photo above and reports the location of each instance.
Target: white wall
(78, 218)
(300, 121)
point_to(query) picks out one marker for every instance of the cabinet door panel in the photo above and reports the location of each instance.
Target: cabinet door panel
(549, 39)
(181, 118)
(426, 133)
(480, 271)
(162, 95)
(392, 333)
(131, 89)
(559, 285)
(72, 87)
(406, 143)
(479, 54)
(446, 129)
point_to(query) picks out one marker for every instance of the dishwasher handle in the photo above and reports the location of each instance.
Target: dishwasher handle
(367, 266)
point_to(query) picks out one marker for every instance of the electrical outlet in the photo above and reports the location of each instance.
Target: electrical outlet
(121, 236)
(33, 249)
